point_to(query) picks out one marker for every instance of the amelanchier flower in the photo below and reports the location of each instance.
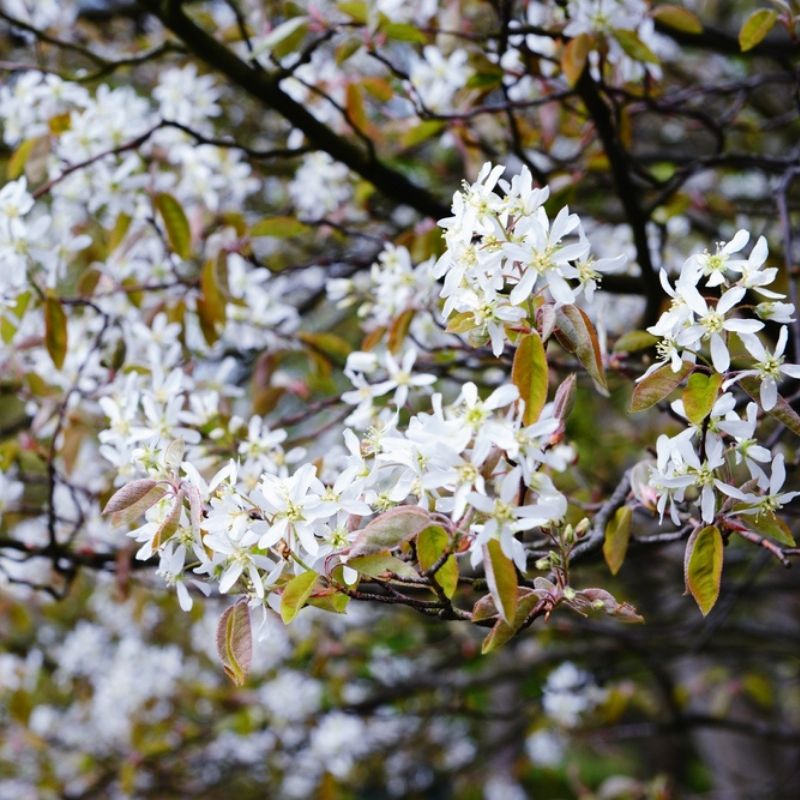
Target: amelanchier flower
(768, 503)
(712, 323)
(768, 367)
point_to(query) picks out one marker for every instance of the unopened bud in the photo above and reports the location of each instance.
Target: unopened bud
(569, 534)
(542, 563)
(582, 527)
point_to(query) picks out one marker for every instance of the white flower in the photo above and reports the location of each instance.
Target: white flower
(712, 324)
(768, 367)
(767, 503)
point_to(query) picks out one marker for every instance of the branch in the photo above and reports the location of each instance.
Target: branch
(627, 191)
(266, 89)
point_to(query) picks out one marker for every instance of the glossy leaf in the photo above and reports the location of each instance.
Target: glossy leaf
(634, 341)
(502, 630)
(501, 577)
(617, 537)
(432, 543)
(756, 27)
(678, 18)
(296, 593)
(176, 224)
(55, 326)
(573, 57)
(280, 227)
(700, 395)
(703, 566)
(529, 374)
(657, 386)
(376, 564)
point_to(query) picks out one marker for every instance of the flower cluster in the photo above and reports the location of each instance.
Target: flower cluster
(710, 328)
(505, 255)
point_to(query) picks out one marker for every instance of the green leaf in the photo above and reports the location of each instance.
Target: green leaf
(420, 133)
(357, 10)
(279, 227)
(503, 631)
(235, 641)
(376, 564)
(432, 543)
(700, 395)
(781, 411)
(117, 233)
(330, 600)
(703, 566)
(129, 494)
(398, 330)
(402, 32)
(634, 46)
(577, 335)
(573, 57)
(328, 344)
(16, 164)
(529, 374)
(658, 385)
(389, 530)
(678, 18)
(296, 593)
(767, 524)
(501, 576)
(55, 327)
(634, 341)
(618, 534)
(756, 27)
(178, 232)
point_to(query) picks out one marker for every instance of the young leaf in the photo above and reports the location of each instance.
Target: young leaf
(390, 529)
(618, 534)
(398, 330)
(564, 398)
(175, 222)
(235, 642)
(375, 564)
(529, 374)
(169, 524)
(501, 576)
(678, 18)
(279, 227)
(432, 543)
(55, 327)
(700, 395)
(577, 335)
(756, 27)
(296, 593)
(573, 57)
(128, 515)
(703, 566)
(634, 341)
(767, 524)
(658, 385)
(129, 494)
(635, 47)
(503, 631)
(16, 164)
